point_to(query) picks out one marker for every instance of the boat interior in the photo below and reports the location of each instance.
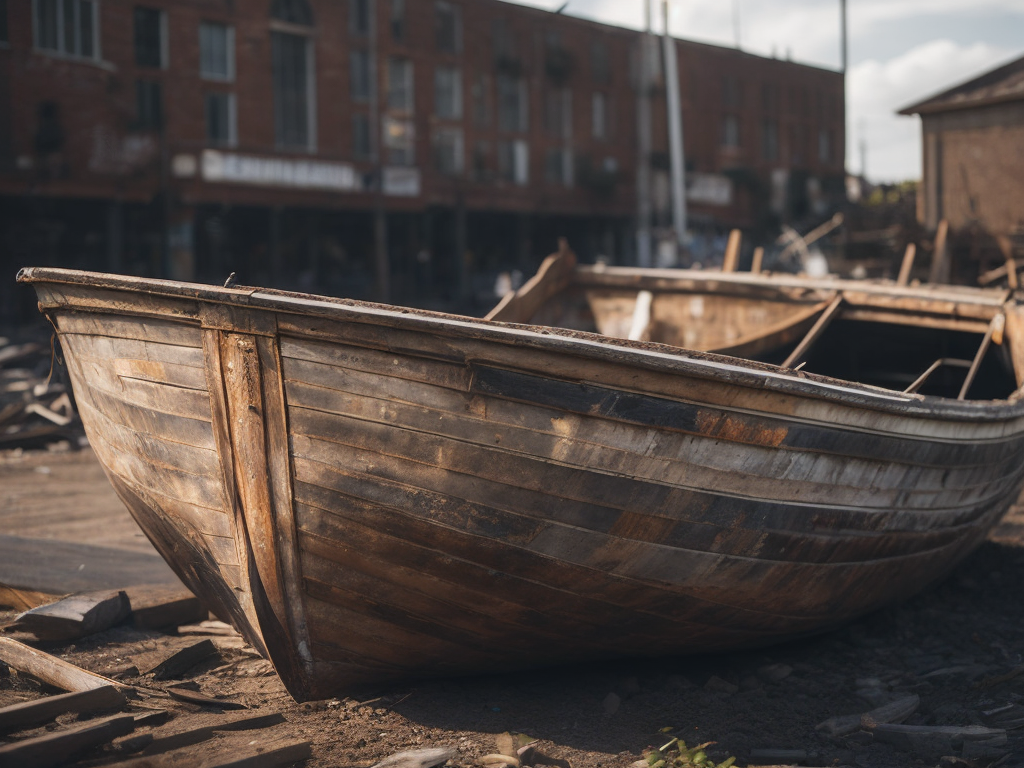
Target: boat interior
(944, 341)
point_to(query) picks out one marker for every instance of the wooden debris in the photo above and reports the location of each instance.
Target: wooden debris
(58, 747)
(34, 572)
(191, 697)
(166, 743)
(31, 713)
(50, 669)
(75, 616)
(275, 754)
(156, 606)
(153, 719)
(181, 660)
(935, 740)
(417, 758)
(893, 712)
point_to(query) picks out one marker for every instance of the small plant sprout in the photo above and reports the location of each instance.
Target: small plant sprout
(675, 754)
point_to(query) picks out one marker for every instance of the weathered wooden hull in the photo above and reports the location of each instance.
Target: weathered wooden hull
(372, 494)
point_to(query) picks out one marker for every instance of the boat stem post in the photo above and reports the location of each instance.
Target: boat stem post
(755, 268)
(732, 251)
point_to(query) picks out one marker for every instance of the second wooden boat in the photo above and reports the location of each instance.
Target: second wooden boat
(373, 493)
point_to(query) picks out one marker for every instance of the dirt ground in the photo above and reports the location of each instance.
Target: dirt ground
(958, 647)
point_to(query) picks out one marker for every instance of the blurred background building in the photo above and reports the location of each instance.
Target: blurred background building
(407, 150)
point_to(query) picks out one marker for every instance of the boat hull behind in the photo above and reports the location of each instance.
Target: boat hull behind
(370, 497)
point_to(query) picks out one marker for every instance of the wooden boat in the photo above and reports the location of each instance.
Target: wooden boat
(371, 493)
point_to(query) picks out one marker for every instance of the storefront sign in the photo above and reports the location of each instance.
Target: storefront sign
(230, 168)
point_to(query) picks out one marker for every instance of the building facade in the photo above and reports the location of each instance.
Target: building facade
(973, 154)
(194, 138)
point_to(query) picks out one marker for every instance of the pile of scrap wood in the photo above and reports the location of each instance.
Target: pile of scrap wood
(35, 405)
(142, 713)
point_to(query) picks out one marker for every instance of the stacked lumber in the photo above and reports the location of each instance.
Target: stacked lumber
(36, 408)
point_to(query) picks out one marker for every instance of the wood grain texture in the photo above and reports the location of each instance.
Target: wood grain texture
(413, 494)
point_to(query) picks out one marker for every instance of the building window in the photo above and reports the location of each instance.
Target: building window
(558, 112)
(448, 151)
(514, 162)
(770, 140)
(149, 110)
(600, 62)
(730, 131)
(294, 100)
(3, 23)
(359, 17)
(558, 167)
(732, 92)
(399, 140)
(295, 12)
(512, 104)
(400, 85)
(482, 161)
(398, 20)
(69, 27)
(361, 148)
(359, 71)
(221, 128)
(150, 38)
(448, 93)
(216, 51)
(599, 116)
(825, 145)
(482, 100)
(448, 27)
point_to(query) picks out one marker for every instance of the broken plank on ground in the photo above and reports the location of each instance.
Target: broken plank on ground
(58, 747)
(75, 616)
(224, 723)
(155, 606)
(166, 665)
(36, 571)
(50, 669)
(31, 713)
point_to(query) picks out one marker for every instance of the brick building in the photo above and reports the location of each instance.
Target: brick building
(193, 138)
(973, 153)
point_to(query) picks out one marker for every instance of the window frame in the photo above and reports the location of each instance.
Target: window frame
(409, 87)
(459, 150)
(232, 118)
(354, 29)
(599, 114)
(440, 8)
(358, 155)
(229, 53)
(162, 33)
(458, 107)
(59, 51)
(360, 95)
(311, 95)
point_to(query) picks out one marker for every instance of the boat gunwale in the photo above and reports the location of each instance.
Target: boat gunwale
(647, 355)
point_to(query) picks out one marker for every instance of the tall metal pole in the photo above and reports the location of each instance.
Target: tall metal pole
(382, 263)
(842, 33)
(736, 22)
(643, 127)
(675, 133)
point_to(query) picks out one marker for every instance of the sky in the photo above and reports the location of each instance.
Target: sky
(901, 51)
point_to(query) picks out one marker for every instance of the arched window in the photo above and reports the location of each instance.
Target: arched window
(292, 12)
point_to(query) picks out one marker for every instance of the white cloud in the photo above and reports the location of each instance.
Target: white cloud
(877, 89)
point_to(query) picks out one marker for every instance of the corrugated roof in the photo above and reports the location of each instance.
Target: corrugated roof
(1005, 83)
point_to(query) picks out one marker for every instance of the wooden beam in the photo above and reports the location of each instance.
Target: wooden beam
(815, 333)
(996, 326)
(553, 276)
(755, 268)
(641, 316)
(732, 251)
(920, 380)
(1006, 246)
(25, 714)
(50, 669)
(940, 256)
(907, 265)
(75, 616)
(60, 747)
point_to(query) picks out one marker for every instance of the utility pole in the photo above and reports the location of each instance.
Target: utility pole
(842, 33)
(643, 125)
(382, 262)
(736, 22)
(675, 133)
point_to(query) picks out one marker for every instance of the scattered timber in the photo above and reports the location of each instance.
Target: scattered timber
(373, 493)
(30, 713)
(156, 606)
(75, 616)
(60, 747)
(50, 669)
